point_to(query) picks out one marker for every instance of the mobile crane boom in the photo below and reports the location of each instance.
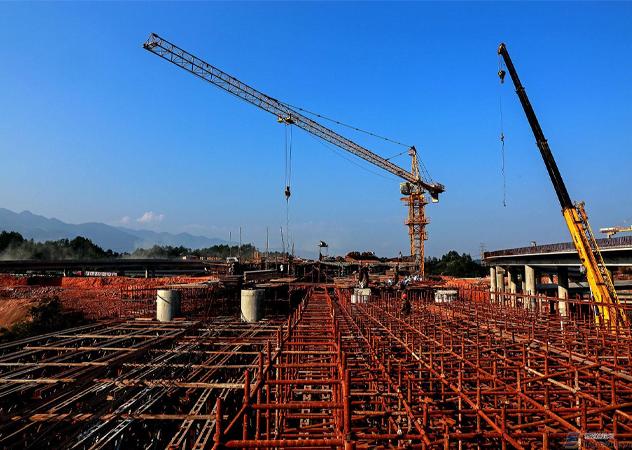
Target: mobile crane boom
(415, 185)
(576, 219)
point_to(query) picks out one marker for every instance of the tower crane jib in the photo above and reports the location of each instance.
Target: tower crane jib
(286, 114)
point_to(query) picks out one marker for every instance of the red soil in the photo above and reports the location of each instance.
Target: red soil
(95, 296)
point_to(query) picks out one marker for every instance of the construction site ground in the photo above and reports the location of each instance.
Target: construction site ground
(91, 295)
(481, 371)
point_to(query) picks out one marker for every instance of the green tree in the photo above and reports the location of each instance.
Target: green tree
(14, 246)
(10, 238)
(454, 265)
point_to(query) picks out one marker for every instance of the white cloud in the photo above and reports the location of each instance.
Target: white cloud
(117, 223)
(149, 217)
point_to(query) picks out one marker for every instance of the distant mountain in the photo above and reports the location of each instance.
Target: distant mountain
(151, 238)
(118, 239)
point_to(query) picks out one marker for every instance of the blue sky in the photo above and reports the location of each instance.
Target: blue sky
(94, 128)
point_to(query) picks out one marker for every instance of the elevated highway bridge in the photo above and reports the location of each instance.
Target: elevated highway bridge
(616, 252)
(519, 270)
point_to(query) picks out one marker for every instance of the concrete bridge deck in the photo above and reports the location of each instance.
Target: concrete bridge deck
(615, 251)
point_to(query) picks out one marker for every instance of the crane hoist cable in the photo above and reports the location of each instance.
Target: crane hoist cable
(501, 77)
(288, 160)
(288, 172)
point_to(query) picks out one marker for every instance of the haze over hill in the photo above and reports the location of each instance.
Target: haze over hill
(118, 239)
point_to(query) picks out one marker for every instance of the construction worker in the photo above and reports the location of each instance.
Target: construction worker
(364, 276)
(396, 276)
(406, 306)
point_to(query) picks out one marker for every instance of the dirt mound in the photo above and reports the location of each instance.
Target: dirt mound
(8, 280)
(121, 282)
(14, 310)
(96, 297)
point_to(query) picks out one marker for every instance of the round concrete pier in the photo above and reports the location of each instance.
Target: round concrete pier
(167, 305)
(253, 306)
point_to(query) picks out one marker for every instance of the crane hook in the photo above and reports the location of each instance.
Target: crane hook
(501, 74)
(287, 192)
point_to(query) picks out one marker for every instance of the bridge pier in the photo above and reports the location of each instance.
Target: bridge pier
(562, 290)
(492, 282)
(529, 275)
(500, 283)
(512, 274)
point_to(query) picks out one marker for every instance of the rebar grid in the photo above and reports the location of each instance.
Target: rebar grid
(133, 384)
(460, 375)
(495, 376)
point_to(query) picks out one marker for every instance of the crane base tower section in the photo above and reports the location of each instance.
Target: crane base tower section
(416, 223)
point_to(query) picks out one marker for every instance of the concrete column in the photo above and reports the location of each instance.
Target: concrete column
(529, 275)
(168, 305)
(512, 274)
(512, 279)
(253, 306)
(492, 281)
(562, 289)
(500, 282)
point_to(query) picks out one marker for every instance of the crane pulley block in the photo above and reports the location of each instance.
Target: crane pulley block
(286, 120)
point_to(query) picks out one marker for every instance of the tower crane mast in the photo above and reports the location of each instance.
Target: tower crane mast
(414, 187)
(574, 214)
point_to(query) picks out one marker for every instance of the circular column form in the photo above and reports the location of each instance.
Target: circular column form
(361, 295)
(446, 296)
(167, 305)
(253, 306)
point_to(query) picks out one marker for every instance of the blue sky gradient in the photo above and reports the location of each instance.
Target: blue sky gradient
(94, 128)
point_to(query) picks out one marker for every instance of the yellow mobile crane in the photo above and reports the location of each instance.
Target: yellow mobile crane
(414, 186)
(576, 219)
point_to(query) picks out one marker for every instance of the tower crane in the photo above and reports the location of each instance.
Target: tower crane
(622, 228)
(575, 215)
(414, 186)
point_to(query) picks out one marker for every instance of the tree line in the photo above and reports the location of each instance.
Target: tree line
(14, 246)
(454, 265)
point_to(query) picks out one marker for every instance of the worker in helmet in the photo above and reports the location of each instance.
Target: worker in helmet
(406, 306)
